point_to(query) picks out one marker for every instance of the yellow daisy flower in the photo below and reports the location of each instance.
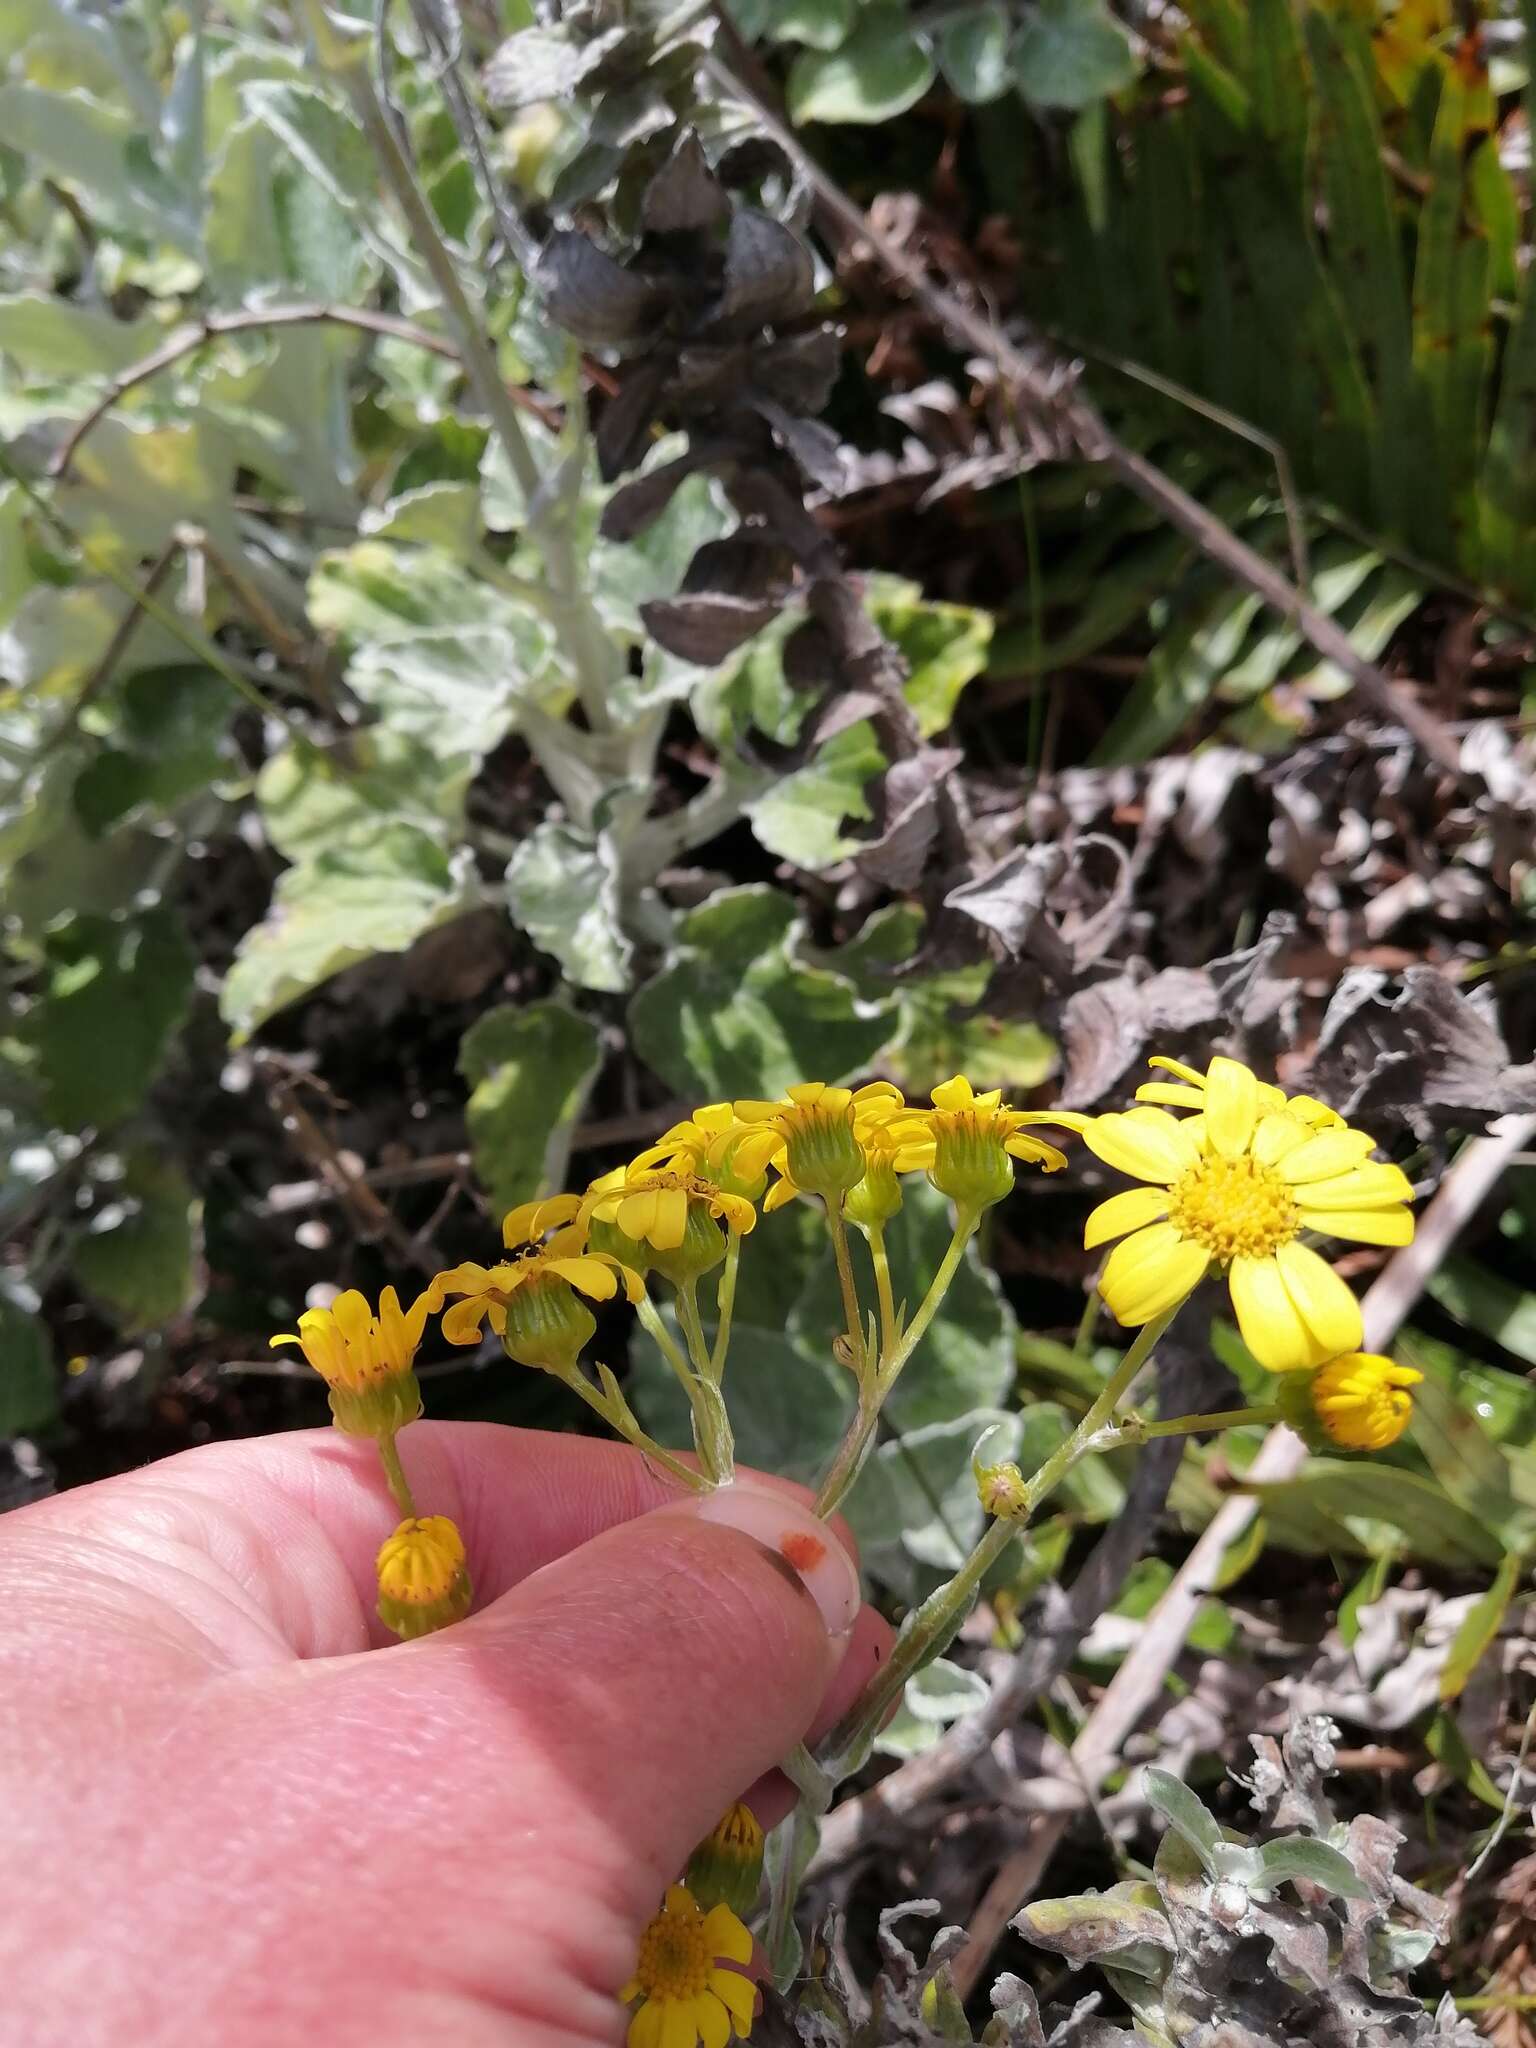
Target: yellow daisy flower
(1236, 1185)
(366, 1359)
(814, 1136)
(671, 1215)
(710, 1142)
(687, 1995)
(423, 1576)
(968, 1141)
(529, 1300)
(1362, 1400)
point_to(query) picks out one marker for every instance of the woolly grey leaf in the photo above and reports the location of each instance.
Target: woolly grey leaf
(538, 64)
(769, 275)
(907, 806)
(685, 196)
(706, 628)
(592, 297)
(1009, 900)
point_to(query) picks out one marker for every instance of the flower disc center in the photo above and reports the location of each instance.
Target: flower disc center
(674, 1956)
(1236, 1208)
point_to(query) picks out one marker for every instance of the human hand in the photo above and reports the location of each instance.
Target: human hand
(233, 1816)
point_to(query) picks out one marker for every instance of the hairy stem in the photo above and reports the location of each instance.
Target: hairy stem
(727, 1307)
(394, 1477)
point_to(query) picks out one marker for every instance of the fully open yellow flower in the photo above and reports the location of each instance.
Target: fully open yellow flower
(366, 1359)
(651, 1203)
(529, 1300)
(423, 1576)
(687, 1994)
(1362, 1400)
(1235, 1186)
(967, 1141)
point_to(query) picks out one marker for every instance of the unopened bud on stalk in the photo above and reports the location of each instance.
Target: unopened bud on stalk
(1003, 1492)
(423, 1577)
(727, 1866)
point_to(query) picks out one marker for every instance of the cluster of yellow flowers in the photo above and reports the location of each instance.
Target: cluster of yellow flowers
(1233, 1176)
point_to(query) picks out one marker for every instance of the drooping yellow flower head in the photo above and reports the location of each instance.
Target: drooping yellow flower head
(530, 1300)
(812, 1135)
(1362, 1400)
(423, 1577)
(726, 1869)
(968, 1142)
(365, 1359)
(687, 1994)
(673, 1210)
(1235, 1186)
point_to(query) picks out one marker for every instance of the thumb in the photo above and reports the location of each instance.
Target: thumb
(651, 1676)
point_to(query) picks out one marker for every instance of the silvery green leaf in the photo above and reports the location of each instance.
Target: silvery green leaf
(530, 1071)
(1070, 53)
(973, 53)
(935, 1697)
(1172, 1798)
(562, 887)
(1299, 1856)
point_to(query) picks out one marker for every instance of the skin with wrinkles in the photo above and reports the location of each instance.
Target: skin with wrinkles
(235, 1814)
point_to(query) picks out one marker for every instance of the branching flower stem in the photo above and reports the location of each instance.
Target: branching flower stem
(929, 1627)
(875, 1386)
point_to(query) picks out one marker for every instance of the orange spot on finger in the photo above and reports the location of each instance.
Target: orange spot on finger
(802, 1550)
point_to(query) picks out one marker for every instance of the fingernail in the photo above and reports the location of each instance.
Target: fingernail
(791, 1534)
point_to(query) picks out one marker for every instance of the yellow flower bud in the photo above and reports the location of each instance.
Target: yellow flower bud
(1003, 1492)
(727, 1867)
(702, 1248)
(877, 1197)
(365, 1359)
(1359, 1402)
(423, 1578)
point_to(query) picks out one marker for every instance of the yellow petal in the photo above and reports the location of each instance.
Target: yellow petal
(645, 2027)
(714, 2021)
(1128, 1211)
(1390, 1225)
(466, 1279)
(726, 1935)
(1275, 1135)
(737, 1211)
(1151, 1272)
(757, 1112)
(353, 1316)
(739, 1993)
(1327, 1307)
(1155, 1151)
(636, 1214)
(1174, 1093)
(594, 1276)
(291, 1338)
(780, 1195)
(461, 1325)
(1372, 1186)
(1326, 1156)
(1168, 1066)
(678, 2026)
(1269, 1320)
(1231, 1106)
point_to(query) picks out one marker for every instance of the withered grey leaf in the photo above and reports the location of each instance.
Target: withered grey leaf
(809, 658)
(1108, 1028)
(634, 505)
(708, 373)
(1416, 1046)
(798, 370)
(685, 196)
(1015, 2021)
(769, 275)
(1009, 900)
(747, 563)
(592, 297)
(906, 810)
(706, 628)
(840, 710)
(623, 432)
(813, 446)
